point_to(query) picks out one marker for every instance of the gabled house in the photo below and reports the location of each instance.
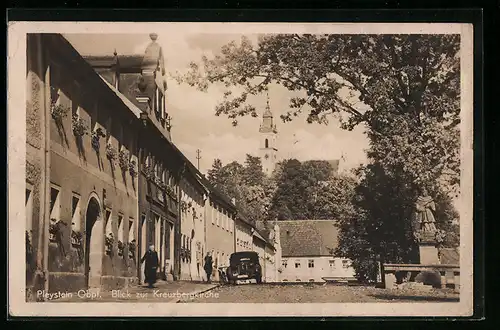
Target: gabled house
(307, 252)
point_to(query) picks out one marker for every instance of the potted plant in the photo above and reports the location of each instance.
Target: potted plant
(76, 238)
(148, 172)
(110, 152)
(58, 112)
(121, 246)
(97, 134)
(170, 191)
(123, 158)
(79, 127)
(131, 249)
(54, 230)
(183, 206)
(109, 244)
(132, 168)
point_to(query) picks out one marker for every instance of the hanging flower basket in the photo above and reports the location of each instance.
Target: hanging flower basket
(109, 244)
(121, 246)
(123, 158)
(58, 112)
(79, 127)
(131, 249)
(170, 191)
(148, 172)
(96, 138)
(132, 168)
(76, 238)
(110, 152)
(54, 230)
(184, 206)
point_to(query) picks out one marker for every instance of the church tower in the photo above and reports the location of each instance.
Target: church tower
(268, 134)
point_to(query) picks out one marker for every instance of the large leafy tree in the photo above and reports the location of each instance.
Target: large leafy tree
(378, 227)
(246, 184)
(407, 82)
(404, 90)
(306, 190)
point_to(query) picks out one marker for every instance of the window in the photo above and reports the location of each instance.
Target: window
(284, 263)
(54, 82)
(298, 280)
(297, 264)
(55, 204)
(267, 143)
(157, 230)
(120, 228)
(76, 218)
(311, 280)
(284, 280)
(109, 125)
(332, 264)
(109, 223)
(217, 216)
(29, 209)
(212, 212)
(131, 230)
(75, 109)
(346, 263)
(311, 263)
(223, 222)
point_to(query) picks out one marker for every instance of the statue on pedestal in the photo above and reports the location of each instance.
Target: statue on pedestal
(424, 221)
(424, 229)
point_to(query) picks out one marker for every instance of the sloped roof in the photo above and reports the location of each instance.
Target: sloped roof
(125, 61)
(449, 256)
(308, 237)
(124, 99)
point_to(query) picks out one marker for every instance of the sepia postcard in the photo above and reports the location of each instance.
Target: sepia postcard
(240, 169)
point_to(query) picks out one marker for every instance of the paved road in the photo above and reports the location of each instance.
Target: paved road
(318, 293)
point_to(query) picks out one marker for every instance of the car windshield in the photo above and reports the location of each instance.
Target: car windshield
(244, 256)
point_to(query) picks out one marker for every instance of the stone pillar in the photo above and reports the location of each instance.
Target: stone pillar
(428, 250)
(389, 281)
(456, 281)
(428, 254)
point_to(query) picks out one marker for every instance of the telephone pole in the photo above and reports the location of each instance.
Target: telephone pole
(198, 157)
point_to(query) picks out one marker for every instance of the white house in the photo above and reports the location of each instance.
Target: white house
(307, 252)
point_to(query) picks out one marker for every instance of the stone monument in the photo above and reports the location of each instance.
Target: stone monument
(424, 229)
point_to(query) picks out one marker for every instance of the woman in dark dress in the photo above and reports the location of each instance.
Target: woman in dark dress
(208, 266)
(151, 265)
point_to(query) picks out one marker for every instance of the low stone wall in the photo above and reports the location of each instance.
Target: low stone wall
(117, 282)
(66, 282)
(441, 276)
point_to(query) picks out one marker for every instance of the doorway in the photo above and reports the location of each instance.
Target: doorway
(94, 244)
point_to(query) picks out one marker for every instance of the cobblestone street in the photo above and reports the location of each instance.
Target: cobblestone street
(166, 292)
(317, 293)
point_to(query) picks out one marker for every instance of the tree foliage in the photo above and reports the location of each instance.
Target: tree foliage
(404, 90)
(246, 183)
(310, 190)
(407, 82)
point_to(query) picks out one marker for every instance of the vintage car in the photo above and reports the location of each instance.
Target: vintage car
(244, 266)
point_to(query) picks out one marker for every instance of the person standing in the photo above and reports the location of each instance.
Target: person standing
(208, 266)
(151, 266)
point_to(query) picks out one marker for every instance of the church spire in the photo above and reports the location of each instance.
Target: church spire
(267, 124)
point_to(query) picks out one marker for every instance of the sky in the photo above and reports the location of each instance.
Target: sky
(195, 125)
